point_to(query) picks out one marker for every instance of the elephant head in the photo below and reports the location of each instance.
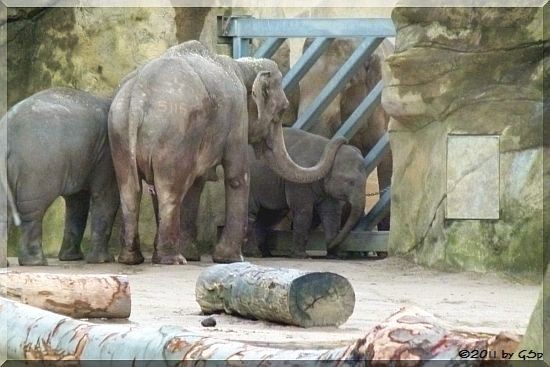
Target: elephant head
(266, 103)
(346, 182)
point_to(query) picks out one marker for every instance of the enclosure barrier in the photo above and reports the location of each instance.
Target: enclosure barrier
(372, 31)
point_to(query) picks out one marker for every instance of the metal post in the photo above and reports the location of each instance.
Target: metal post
(364, 110)
(377, 213)
(337, 83)
(269, 47)
(304, 63)
(376, 153)
(241, 47)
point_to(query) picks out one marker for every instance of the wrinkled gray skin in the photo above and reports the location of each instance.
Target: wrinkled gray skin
(272, 197)
(345, 103)
(58, 146)
(179, 116)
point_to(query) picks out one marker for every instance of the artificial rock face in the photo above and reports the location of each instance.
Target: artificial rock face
(467, 71)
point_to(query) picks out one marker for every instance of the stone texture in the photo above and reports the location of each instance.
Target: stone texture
(473, 184)
(472, 71)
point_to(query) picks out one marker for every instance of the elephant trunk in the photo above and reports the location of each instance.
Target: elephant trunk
(281, 163)
(357, 210)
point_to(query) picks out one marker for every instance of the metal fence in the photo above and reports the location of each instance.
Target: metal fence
(371, 32)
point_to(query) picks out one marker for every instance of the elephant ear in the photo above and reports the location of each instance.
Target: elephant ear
(260, 94)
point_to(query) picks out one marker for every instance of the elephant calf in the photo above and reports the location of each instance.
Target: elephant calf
(271, 197)
(58, 146)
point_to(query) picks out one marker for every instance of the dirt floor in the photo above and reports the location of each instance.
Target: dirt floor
(467, 301)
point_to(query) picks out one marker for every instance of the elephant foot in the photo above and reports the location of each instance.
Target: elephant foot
(190, 251)
(98, 257)
(28, 260)
(130, 257)
(252, 250)
(225, 255)
(70, 254)
(165, 259)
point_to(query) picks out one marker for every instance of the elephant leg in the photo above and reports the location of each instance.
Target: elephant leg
(256, 236)
(188, 223)
(301, 205)
(384, 181)
(330, 212)
(170, 194)
(130, 194)
(30, 249)
(254, 240)
(235, 165)
(104, 206)
(155, 202)
(302, 218)
(76, 214)
(376, 128)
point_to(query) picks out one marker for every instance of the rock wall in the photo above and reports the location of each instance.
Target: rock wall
(467, 71)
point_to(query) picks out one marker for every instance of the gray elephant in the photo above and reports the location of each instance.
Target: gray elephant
(184, 113)
(272, 197)
(365, 79)
(58, 146)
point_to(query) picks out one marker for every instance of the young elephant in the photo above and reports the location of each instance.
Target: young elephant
(58, 146)
(271, 196)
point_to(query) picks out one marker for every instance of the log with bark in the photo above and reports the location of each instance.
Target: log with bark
(410, 334)
(287, 296)
(78, 296)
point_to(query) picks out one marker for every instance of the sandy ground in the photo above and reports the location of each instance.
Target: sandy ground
(483, 302)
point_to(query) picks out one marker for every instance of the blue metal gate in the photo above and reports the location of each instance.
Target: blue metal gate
(371, 32)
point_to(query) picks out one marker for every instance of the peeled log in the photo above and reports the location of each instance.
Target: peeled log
(410, 334)
(287, 296)
(78, 296)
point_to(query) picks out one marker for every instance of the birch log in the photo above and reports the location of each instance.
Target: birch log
(410, 334)
(79, 296)
(287, 296)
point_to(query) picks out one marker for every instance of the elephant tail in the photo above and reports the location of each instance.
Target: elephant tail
(135, 118)
(4, 171)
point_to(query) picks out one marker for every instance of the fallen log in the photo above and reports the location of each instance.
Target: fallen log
(287, 296)
(78, 296)
(409, 334)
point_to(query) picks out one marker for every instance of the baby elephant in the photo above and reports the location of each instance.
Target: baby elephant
(271, 197)
(58, 146)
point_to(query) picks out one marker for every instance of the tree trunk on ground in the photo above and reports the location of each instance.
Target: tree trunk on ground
(411, 333)
(286, 296)
(78, 296)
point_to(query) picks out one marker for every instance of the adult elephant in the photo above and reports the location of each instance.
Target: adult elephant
(58, 146)
(272, 197)
(338, 111)
(184, 113)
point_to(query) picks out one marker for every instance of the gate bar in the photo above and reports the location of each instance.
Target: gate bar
(309, 27)
(378, 212)
(305, 62)
(269, 47)
(364, 110)
(241, 47)
(376, 153)
(337, 82)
